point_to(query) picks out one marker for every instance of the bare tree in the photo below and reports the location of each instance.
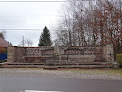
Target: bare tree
(29, 43)
(26, 42)
(97, 23)
(3, 34)
(72, 33)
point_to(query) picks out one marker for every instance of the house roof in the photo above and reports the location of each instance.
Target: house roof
(3, 43)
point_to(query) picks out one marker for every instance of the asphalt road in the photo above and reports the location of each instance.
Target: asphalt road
(22, 84)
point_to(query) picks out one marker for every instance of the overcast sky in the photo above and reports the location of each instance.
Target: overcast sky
(28, 15)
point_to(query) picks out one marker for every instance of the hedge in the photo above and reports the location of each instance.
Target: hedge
(119, 59)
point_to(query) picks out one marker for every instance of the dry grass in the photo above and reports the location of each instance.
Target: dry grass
(97, 71)
(83, 71)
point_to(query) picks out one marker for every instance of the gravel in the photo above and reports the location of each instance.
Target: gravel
(56, 74)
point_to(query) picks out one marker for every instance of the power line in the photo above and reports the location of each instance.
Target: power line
(15, 30)
(20, 29)
(32, 1)
(44, 1)
(25, 29)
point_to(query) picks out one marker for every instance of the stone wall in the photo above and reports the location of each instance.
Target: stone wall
(60, 54)
(16, 54)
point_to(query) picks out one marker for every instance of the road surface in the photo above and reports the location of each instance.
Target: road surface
(26, 84)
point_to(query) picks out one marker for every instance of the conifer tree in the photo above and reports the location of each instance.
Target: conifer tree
(45, 39)
(1, 35)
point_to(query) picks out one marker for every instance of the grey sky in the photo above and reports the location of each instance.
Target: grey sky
(28, 15)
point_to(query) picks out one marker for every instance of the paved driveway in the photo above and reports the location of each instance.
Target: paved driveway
(23, 84)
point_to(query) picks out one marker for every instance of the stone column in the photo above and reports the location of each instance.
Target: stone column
(56, 50)
(11, 53)
(108, 53)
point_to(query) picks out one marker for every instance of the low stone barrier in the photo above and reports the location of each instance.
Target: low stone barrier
(56, 65)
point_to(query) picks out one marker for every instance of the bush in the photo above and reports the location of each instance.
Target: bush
(119, 59)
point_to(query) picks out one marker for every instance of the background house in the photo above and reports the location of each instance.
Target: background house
(3, 43)
(3, 49)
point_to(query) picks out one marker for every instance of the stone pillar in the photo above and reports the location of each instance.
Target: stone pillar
(108, 53)
(11, 53)
(56, 50)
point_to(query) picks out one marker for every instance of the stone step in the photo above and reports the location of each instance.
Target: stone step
(56, 66)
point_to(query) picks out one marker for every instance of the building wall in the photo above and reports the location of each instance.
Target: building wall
(52, 54)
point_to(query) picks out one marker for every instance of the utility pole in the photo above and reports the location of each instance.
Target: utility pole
(23, 42)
